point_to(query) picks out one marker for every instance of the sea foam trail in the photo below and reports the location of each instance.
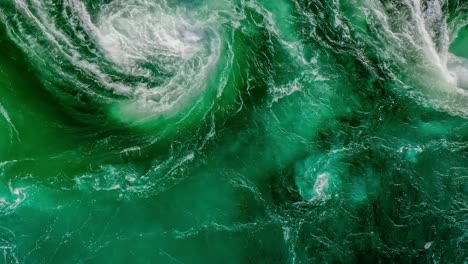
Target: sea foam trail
(13, 133)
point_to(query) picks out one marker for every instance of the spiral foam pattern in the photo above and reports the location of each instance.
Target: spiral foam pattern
(233, 131)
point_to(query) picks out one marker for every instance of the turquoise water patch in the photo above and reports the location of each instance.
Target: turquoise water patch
(225, 131)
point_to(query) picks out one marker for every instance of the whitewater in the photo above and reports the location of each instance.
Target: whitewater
(238, 131)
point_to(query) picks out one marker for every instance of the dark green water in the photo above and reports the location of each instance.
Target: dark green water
(233, 131)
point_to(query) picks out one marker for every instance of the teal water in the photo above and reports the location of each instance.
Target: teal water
(233, 131)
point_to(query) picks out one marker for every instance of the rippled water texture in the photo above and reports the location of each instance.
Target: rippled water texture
(233, 131)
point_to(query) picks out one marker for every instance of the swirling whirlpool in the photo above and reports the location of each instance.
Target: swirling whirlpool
(239, 131)
(144, 60)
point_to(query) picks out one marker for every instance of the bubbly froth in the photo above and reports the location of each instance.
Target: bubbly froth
(154, 55)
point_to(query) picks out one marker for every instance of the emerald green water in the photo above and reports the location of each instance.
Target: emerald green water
(225, 131)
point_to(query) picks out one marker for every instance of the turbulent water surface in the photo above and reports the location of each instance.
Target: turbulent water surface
(233, 131)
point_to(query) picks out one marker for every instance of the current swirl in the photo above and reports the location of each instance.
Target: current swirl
(233, 131)
(143, 60)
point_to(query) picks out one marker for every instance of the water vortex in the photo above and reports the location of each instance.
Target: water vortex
(145, 60)
(233, 131)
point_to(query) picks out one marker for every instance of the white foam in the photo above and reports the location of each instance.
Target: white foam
(425, 23)
(165, 49)
(427, 245)
(458, 67)
(144, 32)
(321, 185)
(11, 126)
(420, 35)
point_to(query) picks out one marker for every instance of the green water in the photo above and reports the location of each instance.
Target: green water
(233, 131)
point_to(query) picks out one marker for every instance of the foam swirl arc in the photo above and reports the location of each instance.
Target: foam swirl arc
(147, 61)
